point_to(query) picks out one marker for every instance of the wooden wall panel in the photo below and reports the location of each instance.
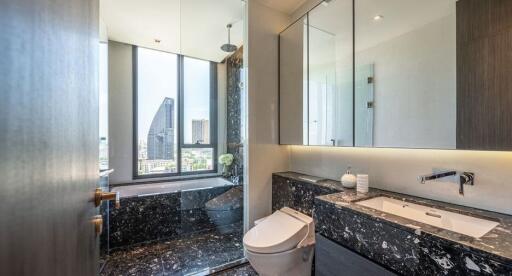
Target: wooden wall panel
(484, 67)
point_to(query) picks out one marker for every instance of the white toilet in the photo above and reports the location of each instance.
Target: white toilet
(281, 244)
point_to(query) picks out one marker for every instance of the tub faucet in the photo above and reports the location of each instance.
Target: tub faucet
(235, 178)
(465, 178)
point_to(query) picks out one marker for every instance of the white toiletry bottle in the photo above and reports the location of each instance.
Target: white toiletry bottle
(348, 180)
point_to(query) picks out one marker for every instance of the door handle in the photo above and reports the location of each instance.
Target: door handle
(98, 224)
(100, 195)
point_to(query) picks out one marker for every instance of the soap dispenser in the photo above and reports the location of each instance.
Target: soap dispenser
(348, 180)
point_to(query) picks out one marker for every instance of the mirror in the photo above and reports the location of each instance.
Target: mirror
(293, 84)
(399, 74)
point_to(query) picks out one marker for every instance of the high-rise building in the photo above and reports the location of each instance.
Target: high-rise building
(160, 143)
(200, 131)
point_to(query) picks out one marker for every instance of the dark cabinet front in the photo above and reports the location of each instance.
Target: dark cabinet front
(334, 259)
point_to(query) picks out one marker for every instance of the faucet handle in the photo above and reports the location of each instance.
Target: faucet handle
(466, 178)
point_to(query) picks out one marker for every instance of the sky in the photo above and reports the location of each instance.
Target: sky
(157, 79)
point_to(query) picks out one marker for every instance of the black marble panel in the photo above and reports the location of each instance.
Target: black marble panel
(290, 189)
(162, 216)
(234, 65)
(403, 246)
(104, 210)
(188, 254)
(145, 218)
(243, 270)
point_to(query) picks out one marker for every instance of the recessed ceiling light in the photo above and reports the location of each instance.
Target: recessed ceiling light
(157, 40)
(378, 17)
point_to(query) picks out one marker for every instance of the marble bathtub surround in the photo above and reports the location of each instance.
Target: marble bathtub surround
(171, 215)
(409, 247)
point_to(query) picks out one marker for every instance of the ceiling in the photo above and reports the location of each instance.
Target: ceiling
(195, 28)
(284, 6)
(400, 17)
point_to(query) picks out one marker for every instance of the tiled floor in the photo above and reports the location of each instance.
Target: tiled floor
(196, 253)
(242, 270)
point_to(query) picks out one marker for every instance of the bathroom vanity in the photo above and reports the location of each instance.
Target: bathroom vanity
(387, 233)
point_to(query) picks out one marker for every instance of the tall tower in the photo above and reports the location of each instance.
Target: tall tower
(161, 132)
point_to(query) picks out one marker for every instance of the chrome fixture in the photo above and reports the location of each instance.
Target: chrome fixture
(235, 178)
(465, 178)
(433, 176)
(228, 47)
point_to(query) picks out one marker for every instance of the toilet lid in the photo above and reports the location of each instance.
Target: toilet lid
(277, 233)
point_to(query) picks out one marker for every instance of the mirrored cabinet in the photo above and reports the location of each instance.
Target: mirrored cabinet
(406, 74)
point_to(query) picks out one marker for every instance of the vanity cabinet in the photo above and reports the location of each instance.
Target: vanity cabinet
(334, 259)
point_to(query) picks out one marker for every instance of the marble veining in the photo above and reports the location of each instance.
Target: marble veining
(409, 247)
(171, 215)
(243, 270)
(190, 254)
(290, 189)
(234, 103)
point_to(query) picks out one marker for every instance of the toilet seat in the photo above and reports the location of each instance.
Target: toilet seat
(279, 232)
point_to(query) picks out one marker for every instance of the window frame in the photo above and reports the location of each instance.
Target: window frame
(213, 143)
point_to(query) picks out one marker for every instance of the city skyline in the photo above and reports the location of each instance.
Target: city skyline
(156, 153)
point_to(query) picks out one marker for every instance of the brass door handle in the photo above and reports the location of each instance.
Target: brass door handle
(98, 224)
(100, 195)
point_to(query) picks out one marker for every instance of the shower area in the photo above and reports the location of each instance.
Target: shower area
(188, 218)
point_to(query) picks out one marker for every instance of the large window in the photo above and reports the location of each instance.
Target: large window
(175, 99)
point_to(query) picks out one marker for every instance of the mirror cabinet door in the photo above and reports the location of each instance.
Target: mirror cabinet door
(330, 78)
(293, 112)
(399, 74)
(405, 71)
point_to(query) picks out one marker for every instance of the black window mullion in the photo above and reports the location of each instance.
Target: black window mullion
(213, 113)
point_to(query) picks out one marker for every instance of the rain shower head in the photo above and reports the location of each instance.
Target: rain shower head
(228, 47)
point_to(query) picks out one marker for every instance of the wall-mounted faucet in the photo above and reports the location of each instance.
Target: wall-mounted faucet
(465, 178)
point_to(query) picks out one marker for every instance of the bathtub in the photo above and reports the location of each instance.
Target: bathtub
(166, 210)
(170, 187)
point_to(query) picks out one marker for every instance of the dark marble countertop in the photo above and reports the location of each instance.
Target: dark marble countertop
(497, 242)
(324, 182)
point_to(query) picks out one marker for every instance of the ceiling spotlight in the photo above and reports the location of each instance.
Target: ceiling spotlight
(378, 17)
(157, 40)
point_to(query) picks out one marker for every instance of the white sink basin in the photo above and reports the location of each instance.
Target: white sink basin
(467, 225)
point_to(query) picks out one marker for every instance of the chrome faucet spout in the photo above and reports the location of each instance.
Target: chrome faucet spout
(429, 177)
(465, 178)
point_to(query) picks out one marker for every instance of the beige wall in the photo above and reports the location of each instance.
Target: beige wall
(120, 111)
(265, 156)
(397, 170)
